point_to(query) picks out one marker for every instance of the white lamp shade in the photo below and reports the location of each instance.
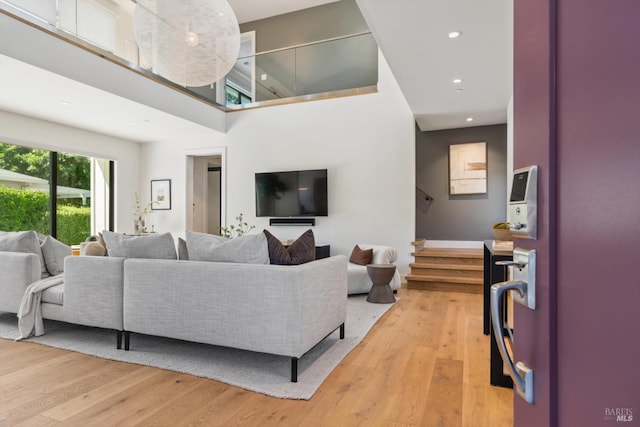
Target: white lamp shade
(189, 42)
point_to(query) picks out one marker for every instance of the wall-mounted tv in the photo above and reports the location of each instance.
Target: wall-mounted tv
(292, 193)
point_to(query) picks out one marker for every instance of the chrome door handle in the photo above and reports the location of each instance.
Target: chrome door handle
(524, 269)
(522, 375)
(510, 264)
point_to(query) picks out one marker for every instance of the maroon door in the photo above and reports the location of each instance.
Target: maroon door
(576, 115)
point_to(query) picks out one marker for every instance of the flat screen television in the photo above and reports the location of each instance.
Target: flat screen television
(292, 193)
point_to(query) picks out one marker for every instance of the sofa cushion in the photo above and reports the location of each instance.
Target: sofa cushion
(54, 295)
(103, 243)
(183, 253)
(249, 249)
(54, 252)
(299, 252)
(155, 246)
(361, 256)
(26, 242)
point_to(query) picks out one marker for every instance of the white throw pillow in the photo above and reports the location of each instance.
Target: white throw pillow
(151, 246)
(249, 249)
(54, 252)
(26, 242)
(381, 254)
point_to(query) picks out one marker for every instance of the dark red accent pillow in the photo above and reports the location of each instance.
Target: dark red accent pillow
(301, 251)
(361, 256)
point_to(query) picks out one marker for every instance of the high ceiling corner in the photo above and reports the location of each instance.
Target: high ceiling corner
(413, 36)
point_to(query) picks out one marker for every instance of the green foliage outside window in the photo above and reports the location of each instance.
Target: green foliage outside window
(25, 160)
(74, 224)
(23, 210)
(29, 210)
(73, 171)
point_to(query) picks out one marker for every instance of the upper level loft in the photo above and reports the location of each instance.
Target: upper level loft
(316, 65)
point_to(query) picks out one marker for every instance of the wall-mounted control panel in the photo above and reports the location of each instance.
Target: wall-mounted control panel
(523, 203)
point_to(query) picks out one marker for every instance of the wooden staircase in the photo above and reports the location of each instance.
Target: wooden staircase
(446, 269)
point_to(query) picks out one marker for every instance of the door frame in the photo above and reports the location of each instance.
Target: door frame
(190, 156)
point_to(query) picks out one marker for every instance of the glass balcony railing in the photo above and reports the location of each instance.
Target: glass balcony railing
(106, 24)
(342, 66)
(325, 67)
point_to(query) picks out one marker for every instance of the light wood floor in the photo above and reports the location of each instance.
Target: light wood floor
(426, 363)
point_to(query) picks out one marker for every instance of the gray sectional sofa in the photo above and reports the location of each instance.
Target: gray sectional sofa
(85, 293)
(276, 309)
(282, 310)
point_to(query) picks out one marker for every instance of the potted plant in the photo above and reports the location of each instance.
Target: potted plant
(236, 230)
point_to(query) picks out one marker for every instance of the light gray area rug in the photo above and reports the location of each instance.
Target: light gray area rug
(263, 373)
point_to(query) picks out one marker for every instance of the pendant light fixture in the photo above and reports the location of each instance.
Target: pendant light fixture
(189, 42)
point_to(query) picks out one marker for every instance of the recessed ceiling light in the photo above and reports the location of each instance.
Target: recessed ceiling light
(458, 90)
(455, 34)
(192, 39)
(469, 119)
(133, 124)
(456, 81)
(65, 103)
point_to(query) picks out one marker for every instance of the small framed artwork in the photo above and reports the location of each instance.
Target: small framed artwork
(468, 168)
(161, 194)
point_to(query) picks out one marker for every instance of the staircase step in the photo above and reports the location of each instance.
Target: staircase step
(418, 244)
(449, 256)
(457, 270)
(445, 279)
(446, 269)
(450, 252)
(445, 283)
(443, 266)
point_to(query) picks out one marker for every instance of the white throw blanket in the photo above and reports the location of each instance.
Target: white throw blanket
(30, 313)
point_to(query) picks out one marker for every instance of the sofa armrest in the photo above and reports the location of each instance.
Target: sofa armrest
(381, 254)
(17, 271)
(324, 299)
(93, 289)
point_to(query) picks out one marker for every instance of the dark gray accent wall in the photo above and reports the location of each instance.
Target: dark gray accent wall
(338, 19)
(463, 217)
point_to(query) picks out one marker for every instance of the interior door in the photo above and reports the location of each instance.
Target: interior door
(205, 190)
(576, 99)
(534, 144)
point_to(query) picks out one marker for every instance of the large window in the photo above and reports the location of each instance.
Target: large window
(235, 96)
(61, 194)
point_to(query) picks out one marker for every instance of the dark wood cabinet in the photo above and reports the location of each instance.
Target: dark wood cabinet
(323, 251)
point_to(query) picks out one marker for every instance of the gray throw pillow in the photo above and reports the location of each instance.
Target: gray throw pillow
(249, 249)
(153, 246)
(26, 242)
(183, 252)
(54, 253)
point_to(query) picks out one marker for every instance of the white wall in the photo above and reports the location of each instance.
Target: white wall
(366, 142)
(36, 133)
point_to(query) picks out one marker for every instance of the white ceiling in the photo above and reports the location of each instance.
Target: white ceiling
(413, 36)
(411, 33)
